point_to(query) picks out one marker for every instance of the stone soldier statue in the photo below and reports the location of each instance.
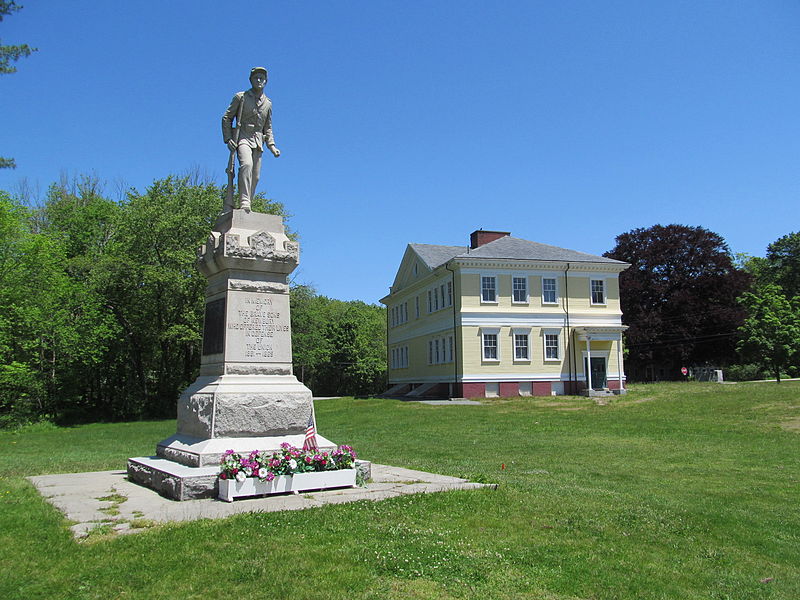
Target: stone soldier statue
(252, 111)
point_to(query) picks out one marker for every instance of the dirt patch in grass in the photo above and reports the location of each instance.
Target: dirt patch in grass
(792, 424)
(636, 401)
(563, 405)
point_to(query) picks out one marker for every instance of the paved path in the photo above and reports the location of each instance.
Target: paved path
(77, 496)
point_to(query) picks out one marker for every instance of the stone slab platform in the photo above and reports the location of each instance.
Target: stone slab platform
(180, 482)
(77, 496)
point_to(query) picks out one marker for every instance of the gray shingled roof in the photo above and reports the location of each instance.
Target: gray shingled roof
(506, 247)
(511, 247)
(436, 255)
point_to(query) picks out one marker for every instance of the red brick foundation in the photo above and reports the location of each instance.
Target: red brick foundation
(613, 384)
(509, 389)
(473, 390)
(541, 388)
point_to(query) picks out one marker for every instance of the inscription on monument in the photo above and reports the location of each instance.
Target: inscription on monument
(258, 327)
(214, 327)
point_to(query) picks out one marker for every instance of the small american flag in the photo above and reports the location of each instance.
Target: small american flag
(310, 443)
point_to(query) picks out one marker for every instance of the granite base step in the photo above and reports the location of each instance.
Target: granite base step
(174, 480)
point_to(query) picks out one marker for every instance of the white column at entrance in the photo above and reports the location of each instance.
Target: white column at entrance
(619, 361)
(589, 362)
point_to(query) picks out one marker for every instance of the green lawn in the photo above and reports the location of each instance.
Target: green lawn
(674, 491)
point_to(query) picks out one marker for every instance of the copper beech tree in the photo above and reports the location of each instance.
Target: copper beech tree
(679, 299)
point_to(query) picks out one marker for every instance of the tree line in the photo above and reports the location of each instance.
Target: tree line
(688, 301)
(101, 307)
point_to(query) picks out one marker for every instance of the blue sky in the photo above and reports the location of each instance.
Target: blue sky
(566, 123)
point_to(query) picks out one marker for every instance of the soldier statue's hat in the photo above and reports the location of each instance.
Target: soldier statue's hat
(255, 70)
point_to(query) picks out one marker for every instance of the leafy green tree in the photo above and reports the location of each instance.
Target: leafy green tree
(45, 320)
(101, 306)
(9, 55)
(783, 263)
(310, 347)
(339, 347)
(770, 335)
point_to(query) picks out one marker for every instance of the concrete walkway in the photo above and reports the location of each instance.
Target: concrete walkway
(132, 507)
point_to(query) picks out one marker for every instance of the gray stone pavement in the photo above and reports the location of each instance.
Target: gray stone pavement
(78, 495)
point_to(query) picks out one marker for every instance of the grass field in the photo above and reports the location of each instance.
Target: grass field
(674, 491)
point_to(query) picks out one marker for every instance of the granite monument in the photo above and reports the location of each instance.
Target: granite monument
(246, 396)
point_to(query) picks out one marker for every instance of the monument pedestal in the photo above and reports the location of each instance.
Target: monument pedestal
(246, 397)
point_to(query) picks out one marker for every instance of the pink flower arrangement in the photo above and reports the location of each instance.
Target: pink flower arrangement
(286, 461)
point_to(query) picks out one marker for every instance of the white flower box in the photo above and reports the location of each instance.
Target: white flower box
(299, 482)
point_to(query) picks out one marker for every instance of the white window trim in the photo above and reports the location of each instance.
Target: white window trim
(605, 292)
(555, 279)
(524, 277)
(496, 288)
(557, 333)
(526, 331)
(491, 331)
(399, 358)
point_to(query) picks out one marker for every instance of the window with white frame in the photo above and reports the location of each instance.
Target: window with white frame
(598, 287)
(549, 294)
(397, 358)
(400, 357)
(440, 297)
(488, 288)
(521, 346)
(519, 288)
(416, 306)
(551, 349)
(490, 349)
(398, 314)
(440, 350)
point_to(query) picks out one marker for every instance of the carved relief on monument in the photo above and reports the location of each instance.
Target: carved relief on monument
(260, 246)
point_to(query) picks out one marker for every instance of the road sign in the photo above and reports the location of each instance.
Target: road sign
(684, 371)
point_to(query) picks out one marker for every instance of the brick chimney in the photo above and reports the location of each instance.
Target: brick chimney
(480, 237)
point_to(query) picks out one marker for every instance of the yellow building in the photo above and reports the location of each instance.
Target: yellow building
(504, 317)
